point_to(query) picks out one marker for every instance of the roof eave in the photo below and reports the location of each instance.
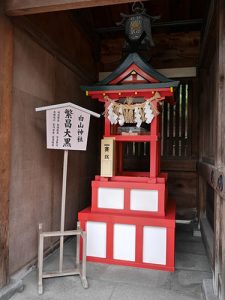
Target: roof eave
(132, 87)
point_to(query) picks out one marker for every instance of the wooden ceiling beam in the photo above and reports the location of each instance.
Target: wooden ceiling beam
(27, 7)
(178, 25)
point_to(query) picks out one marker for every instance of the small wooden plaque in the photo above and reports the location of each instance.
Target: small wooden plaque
(108, 157)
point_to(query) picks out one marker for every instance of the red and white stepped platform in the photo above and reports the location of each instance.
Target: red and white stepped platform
(130, 240)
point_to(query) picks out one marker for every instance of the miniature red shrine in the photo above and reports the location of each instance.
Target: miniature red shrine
(130, 221)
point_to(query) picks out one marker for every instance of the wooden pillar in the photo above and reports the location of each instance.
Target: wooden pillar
(221, 133)
(223, 250)
(6, 66)
(217, 243)
(220, 87)
(219, 259)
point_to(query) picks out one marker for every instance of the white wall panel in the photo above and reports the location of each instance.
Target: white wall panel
(154, 245)
(124, 242)
(111, 198)
(144, 200)
(96, 239)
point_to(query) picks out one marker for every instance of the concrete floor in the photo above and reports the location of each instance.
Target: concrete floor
(126, 283)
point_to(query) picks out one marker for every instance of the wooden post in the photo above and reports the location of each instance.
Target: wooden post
(63, 207)
(6, 66)
(221, 135)
(40, 259)
(78, 246)
(220, 160)
(217, 241)
(223, 251)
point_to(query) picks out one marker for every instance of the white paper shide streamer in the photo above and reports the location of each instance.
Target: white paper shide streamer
(148, 113)
(137, 117)
(121, 119)
(111, 115)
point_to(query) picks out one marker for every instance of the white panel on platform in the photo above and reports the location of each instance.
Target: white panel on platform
(154, 245)
(96, 239)
(111, 198)
(124, 242)
(144, 200)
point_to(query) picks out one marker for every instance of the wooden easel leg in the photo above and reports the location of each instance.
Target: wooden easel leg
(40, 260)
(78, 247)
(61, 253)
(83, 273)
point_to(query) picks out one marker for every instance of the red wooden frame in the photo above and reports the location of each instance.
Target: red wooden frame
(135, 177)
(145, 93)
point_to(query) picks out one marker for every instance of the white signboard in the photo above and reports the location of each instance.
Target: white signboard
(67, 128)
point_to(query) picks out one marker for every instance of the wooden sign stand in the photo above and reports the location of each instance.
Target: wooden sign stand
(67, 129)
(79, 270)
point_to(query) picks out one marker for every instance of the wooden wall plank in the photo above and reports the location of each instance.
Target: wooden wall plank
(165, 128)
(42, 29)
(177, 125)
(182, 188)
(185, 165)
(193, 117)
(171, 140)
(6, 59)
(26, 7)
(205, 45)
(183, 120)
(173, 50)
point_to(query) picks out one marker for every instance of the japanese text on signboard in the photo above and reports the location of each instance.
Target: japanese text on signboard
(67, 129)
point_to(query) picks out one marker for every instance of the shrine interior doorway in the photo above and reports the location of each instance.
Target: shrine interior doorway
(49, 51)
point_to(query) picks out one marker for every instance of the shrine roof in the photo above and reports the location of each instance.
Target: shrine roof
(133, 59)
